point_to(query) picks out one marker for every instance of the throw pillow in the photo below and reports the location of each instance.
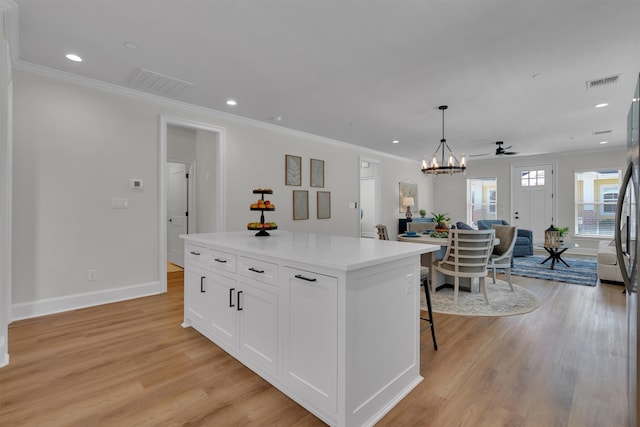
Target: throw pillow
(506, 234)
(462, 226)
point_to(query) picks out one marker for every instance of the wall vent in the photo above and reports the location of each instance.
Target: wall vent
(602, 132)
(159, 84)
(603, 81)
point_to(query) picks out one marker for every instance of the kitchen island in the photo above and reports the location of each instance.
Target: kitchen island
(331, 321)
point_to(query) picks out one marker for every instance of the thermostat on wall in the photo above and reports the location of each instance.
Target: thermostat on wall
(136, 184)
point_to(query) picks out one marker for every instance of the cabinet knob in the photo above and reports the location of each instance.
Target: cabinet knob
(231, 297)
(202, 284)
(220, 260)
(255, 270)
(308, 279)
(194, 253)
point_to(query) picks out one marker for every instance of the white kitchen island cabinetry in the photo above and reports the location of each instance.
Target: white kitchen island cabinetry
(331, 321)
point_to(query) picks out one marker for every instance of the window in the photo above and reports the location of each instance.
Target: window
(596, 202)
(482, 200)
(532, 178)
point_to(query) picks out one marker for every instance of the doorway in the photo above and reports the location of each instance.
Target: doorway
(533, 203)
(181, 207)
(206, 194)
(369, 198)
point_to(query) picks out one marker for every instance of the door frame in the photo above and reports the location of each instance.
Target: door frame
(219, 189)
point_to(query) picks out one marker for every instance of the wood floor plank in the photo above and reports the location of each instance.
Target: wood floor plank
(131, 363)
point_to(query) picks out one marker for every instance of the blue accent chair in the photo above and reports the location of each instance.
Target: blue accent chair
(524, 241)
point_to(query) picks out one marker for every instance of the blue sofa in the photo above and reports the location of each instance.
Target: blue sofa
(524, 241)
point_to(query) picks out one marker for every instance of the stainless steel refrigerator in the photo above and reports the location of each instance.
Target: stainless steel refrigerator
(627, 249)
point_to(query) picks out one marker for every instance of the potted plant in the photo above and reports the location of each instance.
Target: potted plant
(422, 213)
(441, 220)
(562, 231)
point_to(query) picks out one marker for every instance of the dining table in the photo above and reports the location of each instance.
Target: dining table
(436, 279)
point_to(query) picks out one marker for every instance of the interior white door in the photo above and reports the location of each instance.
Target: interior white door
(533, 198)
(177, 211)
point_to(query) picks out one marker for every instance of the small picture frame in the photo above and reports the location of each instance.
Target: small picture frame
(300, 204)
(316, 169)
(293, 170)
(324, 204)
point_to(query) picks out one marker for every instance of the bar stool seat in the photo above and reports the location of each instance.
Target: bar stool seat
(424, 279)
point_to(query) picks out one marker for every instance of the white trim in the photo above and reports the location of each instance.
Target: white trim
(43, 307)
(220, 193)
(209, 112)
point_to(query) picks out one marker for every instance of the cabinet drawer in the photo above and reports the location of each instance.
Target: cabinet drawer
(195, 253)
(262, 271)
(222, 261)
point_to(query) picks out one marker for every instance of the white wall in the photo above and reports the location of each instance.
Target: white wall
(6, 147)
(500, 168)
(77, 146)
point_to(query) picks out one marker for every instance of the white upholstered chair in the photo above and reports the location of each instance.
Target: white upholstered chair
(502, 255)
(467, 256)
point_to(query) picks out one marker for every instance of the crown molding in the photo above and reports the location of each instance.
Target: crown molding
(209, 112)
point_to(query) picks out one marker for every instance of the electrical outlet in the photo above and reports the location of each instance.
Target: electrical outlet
(92, 275)
(118, 203)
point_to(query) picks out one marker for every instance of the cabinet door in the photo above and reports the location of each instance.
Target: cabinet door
(196, 296)
(311, 362)
(223, 306)
(258, 317)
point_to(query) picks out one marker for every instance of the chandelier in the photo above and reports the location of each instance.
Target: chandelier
(452, 166)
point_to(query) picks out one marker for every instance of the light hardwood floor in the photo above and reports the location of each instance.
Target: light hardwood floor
(131, 364)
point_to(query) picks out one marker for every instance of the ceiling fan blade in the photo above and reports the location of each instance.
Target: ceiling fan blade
(480, 155)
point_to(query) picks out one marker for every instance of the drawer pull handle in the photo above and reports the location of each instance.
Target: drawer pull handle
(194, 253)
(308, 279)
(239, 308)
(220, 260)
(202, 284)
(231, 297)
(255, 270)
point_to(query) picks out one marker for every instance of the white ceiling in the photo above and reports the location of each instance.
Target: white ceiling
(368, 72)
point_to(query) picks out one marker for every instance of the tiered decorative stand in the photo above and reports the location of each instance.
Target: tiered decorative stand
(262, 226)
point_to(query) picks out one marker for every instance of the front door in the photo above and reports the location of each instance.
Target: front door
(533, 198)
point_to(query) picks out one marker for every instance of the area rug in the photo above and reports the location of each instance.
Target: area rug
(582, 271)
(503, 302)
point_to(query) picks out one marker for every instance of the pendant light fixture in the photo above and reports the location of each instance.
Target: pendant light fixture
(453, 165)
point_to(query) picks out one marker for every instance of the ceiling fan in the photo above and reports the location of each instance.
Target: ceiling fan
(500, 150)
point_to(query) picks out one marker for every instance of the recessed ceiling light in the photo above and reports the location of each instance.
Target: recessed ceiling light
(604, 142)
(395, 141)
(232, 102)
(131, 45)
(73, 57)
(604, 104)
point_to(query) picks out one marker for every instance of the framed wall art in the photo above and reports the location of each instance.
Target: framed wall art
(300, 204)
(293, 170)
(324, 204)
(317, 173)
(408, 189)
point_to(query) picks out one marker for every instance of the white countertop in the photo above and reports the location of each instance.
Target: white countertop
(325, 250)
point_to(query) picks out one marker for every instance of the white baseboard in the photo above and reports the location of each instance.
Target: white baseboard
(26, 310)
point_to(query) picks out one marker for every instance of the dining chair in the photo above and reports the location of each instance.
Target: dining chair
(502, 256)
(419, 227)
(467, 256)
(382, 232)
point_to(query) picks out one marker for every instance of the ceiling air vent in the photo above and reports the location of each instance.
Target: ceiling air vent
(603, 81)
(159, 84)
